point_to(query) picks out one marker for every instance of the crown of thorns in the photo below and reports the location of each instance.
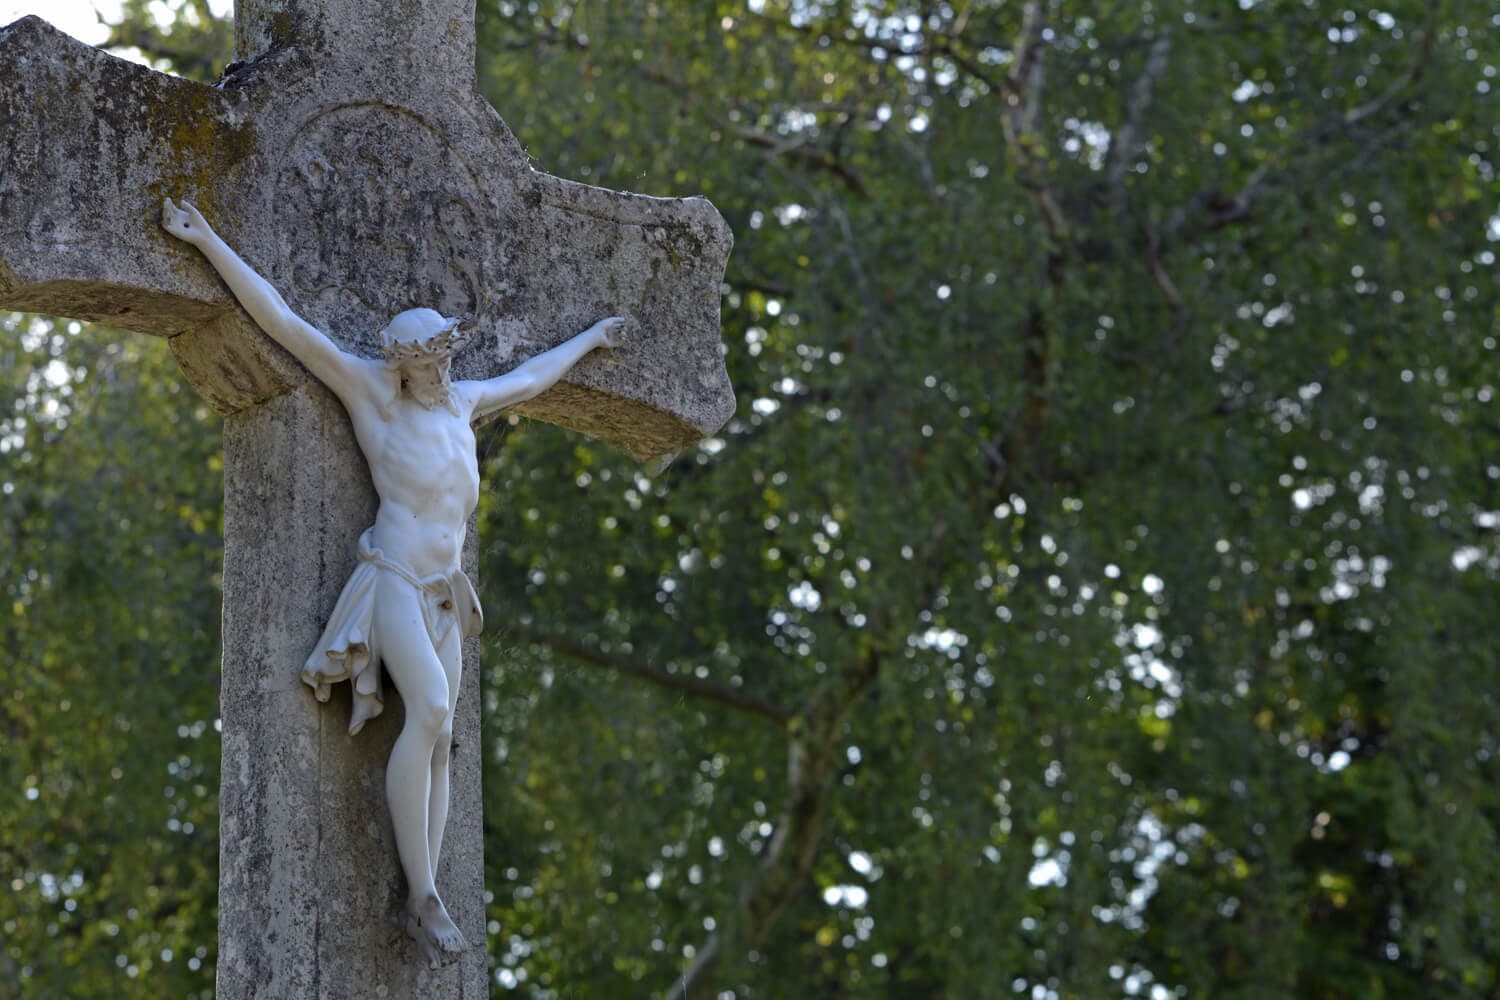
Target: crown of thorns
(444, 342)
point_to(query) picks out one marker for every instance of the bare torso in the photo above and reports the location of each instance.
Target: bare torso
(426, 473)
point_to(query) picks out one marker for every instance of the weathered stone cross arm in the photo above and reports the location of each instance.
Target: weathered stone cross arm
(349, 158)
(85, 141)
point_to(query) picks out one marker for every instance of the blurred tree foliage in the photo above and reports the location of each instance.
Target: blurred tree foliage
(109, 756)
(1094, 595)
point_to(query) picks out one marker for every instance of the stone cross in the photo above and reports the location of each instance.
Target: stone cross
(350, 159)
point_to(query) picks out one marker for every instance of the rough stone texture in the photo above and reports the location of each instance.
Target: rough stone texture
(309, 883)
(361, 181)
(85, 146)
(350, 160)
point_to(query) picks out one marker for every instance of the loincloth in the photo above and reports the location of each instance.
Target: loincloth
(350, 647)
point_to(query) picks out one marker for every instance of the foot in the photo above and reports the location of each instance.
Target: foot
(435, 933)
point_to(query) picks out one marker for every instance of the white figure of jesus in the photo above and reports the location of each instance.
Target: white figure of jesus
(408, 603)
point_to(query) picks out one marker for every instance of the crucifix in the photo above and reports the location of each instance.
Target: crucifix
(349, 159)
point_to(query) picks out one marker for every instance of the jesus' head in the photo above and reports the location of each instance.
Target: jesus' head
(419, 344)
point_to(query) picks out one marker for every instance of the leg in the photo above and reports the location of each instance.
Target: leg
(418, 673)
(450, 652)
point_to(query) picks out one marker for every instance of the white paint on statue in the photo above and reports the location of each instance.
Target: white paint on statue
(408, 603)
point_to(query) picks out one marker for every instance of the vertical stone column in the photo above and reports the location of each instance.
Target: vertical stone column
(309, 883)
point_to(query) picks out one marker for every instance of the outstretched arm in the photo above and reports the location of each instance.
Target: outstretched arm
(343, 373)
(542, 372)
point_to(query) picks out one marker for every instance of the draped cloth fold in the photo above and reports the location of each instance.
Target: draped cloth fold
(350, 647)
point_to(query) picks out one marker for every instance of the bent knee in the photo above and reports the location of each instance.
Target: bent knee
(430, 718)
(444, 745)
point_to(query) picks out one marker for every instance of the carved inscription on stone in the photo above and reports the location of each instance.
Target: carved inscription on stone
(365, 192)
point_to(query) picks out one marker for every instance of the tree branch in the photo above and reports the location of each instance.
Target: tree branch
(1126, 144)
(745, 283)
(1181, 313)
(592, 656)
(1208, 211)
(1411, 76)
(1026, 74)
(1022, 95)
(797, 151)
(812, 738)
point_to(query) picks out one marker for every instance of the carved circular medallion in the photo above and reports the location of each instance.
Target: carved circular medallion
(378, 213)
